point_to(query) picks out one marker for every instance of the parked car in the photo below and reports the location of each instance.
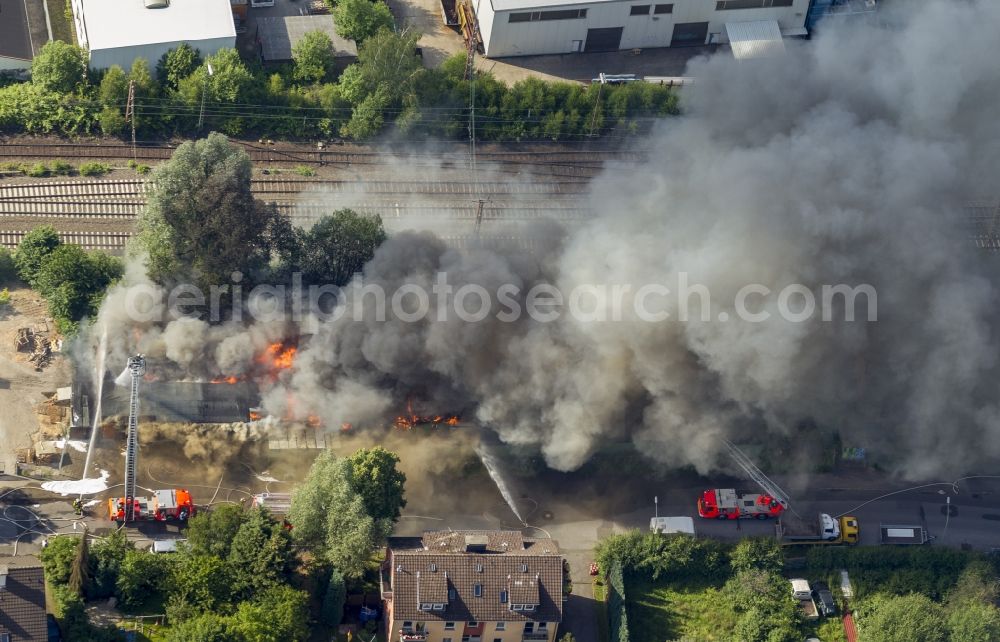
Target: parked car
(824, 599)
(800, 589)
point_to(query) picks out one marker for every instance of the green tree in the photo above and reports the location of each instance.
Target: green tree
(177, 64)
(8, 270)
(113, 91)
(974, 622)
(386, 61)
(142, 576)
(314, 57)
(901, 619)
(58, 67)
(761, 553)
(57, 558)
(333, 600)
(261, 553)
(33, 250)
(79, 572)
(73, 282)
(201, 220)
(199, 583)
(106, 558)
(212, 532)
(337, 247)
(228, 82)
(359, 20)
(329, 515)
(207, 627)
(375, 477)
(278, 614)
(764, 605)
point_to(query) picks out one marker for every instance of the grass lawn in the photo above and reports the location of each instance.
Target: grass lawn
(826, 629)
(659, 611)
(62, 27)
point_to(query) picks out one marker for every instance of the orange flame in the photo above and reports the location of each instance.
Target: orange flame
(411, 419)
(346, 427)
(278, 356)
(313, 421)
(229, 380)
(254, 415)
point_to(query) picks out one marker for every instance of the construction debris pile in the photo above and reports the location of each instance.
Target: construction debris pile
(37, 344)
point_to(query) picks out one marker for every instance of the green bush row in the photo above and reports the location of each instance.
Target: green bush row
(617, 609)
(387, 91)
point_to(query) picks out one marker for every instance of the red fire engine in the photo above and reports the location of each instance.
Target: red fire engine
(164, 505)
(725, 503)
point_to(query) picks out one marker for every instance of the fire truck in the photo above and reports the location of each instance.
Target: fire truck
(726, 503)
(164, 505)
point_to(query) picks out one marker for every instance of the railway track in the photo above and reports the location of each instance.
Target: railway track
(275, 189)
(336, 155)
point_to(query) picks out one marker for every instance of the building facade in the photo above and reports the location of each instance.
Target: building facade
(117, 32)
(530, 27)
(473, 586)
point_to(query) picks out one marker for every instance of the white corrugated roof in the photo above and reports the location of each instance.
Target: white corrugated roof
(755, 39)
(127, 23)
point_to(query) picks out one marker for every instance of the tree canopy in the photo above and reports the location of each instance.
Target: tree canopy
(329, 515)
(359, 20)
(314, 57)
(380, 484)
(201, 220)
(59, 67)
(32, 251)
(338, 246)
(177, 64)
(902, 618)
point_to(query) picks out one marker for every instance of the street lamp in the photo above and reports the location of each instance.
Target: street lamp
(204, 90)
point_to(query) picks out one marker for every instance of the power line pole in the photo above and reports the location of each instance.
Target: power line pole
(597, 105)
(130, 113)
(479, 217)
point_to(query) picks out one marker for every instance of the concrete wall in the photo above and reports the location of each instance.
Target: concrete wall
(125, 56)
(503, 38)
(13, 64)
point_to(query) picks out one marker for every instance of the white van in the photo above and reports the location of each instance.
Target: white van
(801, 590)
(165, 545)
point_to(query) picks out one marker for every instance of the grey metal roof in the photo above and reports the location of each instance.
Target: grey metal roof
(182, 401)
(755, 39)
(279, 35)
(14, 39)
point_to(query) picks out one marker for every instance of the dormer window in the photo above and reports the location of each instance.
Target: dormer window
(477, 590)
(503, 597)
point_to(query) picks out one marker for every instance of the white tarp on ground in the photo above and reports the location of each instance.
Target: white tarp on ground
(755, 39)
(87, 486)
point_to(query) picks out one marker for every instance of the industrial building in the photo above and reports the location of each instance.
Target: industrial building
(116, 32)
(277, 36)
(23, 32)
(530, 27)
(185, 401)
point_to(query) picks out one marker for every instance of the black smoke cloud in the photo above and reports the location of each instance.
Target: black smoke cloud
(847, 160)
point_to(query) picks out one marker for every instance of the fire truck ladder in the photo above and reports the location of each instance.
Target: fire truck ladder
(137, 368)
(757, 475)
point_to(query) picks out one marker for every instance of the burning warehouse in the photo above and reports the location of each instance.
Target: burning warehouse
(185, 401)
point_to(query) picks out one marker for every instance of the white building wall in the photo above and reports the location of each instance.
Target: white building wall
(125, 56)
(503, 38)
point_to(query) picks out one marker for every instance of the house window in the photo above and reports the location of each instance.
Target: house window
(445, 639)
(479, 568)
(543, 625)
(529, 607)
(477, 590)
(639, 10)
(4, 637)
(473, 625)
(529, 627)
(439, 607)
(407, 625)
(501, 626)
(503, 597)
(426, 607)
(451, 594)
(663, 8)
(497, 639)
(449, 626)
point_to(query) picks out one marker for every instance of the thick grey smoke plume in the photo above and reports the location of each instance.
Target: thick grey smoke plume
(847, 161)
